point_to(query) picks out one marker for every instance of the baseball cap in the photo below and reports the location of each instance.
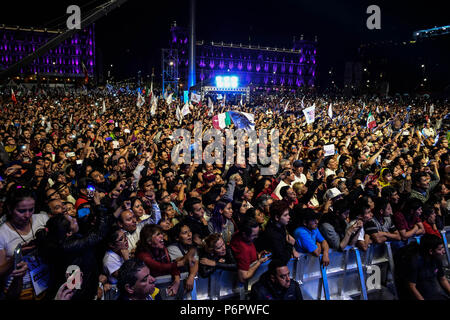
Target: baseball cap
(298, 163)
(332, 193)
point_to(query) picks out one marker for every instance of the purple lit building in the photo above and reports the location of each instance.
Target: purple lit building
(256, 66)
(65, 60)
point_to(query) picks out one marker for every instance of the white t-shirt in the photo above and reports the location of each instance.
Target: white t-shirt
(111, 263)
(9, 238)
(302, 179)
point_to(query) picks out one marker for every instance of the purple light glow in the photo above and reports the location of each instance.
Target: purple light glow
(211, 64)
(221, 64)
(266, 79)
(230, 65)
(240, 65)
(266, 67)
(282, 80)
(202, 76)
(249, 66)
(275, 67)
(314, 73)
(258, 67)
(283, 68)
(291, 68)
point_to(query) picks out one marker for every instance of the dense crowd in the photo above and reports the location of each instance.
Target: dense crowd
(87, 180)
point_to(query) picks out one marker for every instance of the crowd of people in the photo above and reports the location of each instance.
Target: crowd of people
(87, 180)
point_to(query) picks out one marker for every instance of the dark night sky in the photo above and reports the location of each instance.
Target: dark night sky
(131, 36)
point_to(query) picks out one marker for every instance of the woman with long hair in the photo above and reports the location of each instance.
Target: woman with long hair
(18, 233)
(215, 254)
(222, 220)
(152, 250)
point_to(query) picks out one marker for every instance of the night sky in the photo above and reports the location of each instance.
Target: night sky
(131, 37)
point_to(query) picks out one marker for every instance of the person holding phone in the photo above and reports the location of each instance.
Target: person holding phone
(64, 245)
(20, 228)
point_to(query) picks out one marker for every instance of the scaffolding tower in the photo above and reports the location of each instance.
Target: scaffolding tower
(170, 76)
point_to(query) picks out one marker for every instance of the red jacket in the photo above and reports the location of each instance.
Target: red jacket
(157, 268)
(429, 229)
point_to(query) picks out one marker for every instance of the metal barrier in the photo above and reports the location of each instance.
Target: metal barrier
(343, 279)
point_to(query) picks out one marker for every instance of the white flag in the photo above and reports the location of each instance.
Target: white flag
(179, 115)
(104, 107)
(185, 109)
(169, 99)
(303, 106)
(211, 107)
(330, 111)
(154, 104)
(310, 114)
(431, 109)
(140, 100)
(241, 101)
(286, 107)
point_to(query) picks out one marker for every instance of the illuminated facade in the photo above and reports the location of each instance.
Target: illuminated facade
(256, 66)
(64, 60)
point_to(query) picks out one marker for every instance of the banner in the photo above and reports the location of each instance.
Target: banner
(195, 97)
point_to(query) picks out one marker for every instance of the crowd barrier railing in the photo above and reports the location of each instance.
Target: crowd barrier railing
(345, 278)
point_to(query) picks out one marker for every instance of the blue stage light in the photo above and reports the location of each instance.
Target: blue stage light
(227, 82)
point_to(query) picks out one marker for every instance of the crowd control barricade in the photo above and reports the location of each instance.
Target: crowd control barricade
(349, 276)
(163, 282)
(446, 237)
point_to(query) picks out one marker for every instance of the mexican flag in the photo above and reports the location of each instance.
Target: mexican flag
(371, 123)
(221, 121)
